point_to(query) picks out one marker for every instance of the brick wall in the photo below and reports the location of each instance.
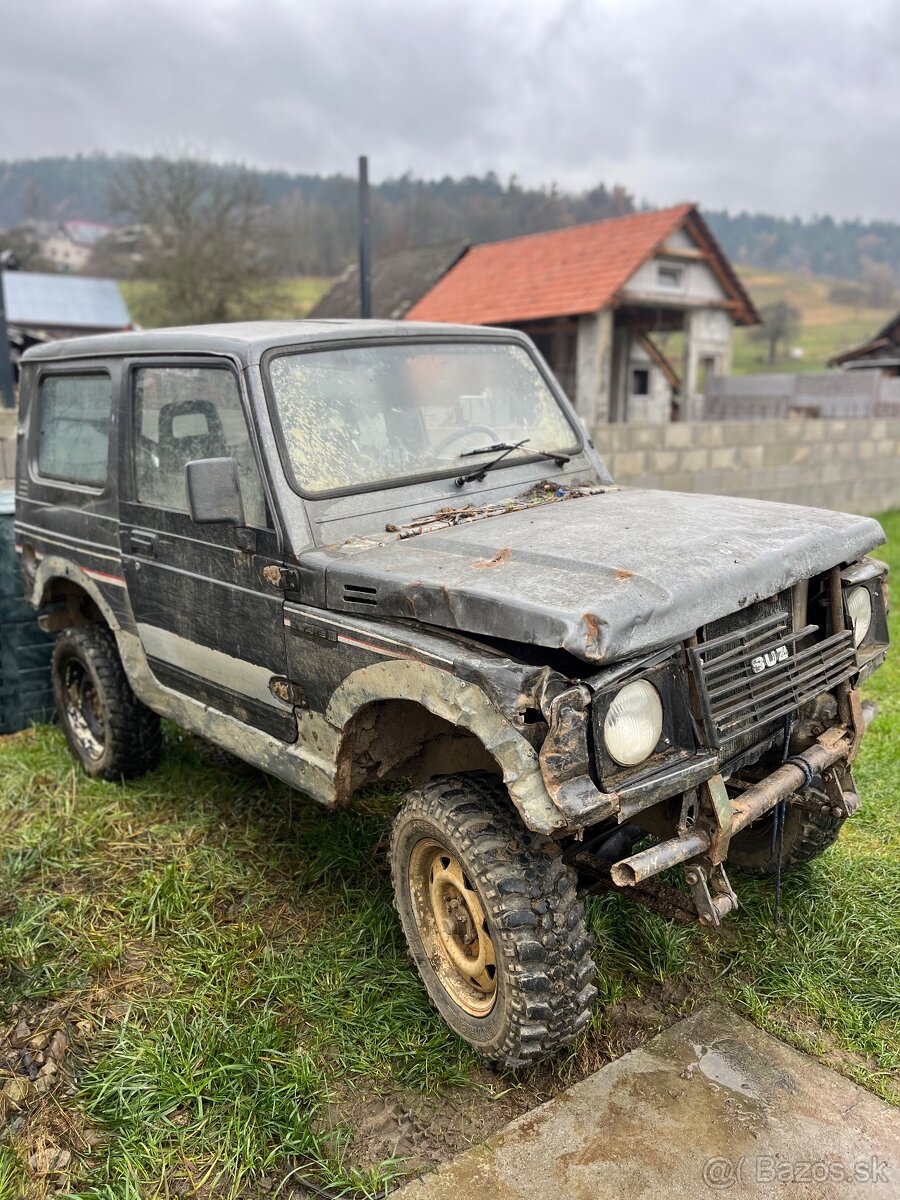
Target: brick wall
(852, 465)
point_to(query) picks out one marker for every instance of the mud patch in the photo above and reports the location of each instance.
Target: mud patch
(419, 1132)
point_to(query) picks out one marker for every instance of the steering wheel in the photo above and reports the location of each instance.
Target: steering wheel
(457, 434)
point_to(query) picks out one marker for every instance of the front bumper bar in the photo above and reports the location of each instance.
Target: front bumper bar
(831, 747)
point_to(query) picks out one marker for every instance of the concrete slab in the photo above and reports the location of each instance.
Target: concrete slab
(712, 1107)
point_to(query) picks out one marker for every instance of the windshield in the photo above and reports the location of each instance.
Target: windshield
(367, 414)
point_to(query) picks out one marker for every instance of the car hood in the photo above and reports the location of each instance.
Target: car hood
(602, 576)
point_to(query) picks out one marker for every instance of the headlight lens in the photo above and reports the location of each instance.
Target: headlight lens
(633, 725)
(859, 608)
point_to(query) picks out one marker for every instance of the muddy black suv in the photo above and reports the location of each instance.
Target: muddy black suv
(353, 551)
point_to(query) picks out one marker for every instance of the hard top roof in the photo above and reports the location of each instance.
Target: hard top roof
(246, 340)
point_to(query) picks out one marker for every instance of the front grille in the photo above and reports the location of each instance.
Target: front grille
(752, 676)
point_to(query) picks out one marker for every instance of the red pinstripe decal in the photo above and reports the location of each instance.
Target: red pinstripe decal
(101, 575)
(378, 649)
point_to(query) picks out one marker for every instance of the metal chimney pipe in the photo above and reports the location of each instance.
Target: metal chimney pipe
(365, 241)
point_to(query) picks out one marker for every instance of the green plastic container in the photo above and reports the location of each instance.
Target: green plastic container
(26, 694)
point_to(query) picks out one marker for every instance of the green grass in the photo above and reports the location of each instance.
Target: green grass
(226, 961)
(827, 328)
(301, 294)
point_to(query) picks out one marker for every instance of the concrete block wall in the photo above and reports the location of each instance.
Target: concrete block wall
(851, 465)
(7, 448)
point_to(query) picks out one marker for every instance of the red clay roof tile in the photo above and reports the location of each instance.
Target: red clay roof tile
(561, 273)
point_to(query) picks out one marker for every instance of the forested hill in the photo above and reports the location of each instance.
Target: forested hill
(315, 216)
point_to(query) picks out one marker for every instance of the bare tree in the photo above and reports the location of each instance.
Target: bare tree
(780, 323)
(201, 249)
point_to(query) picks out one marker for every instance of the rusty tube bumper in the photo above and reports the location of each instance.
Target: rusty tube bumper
(832, 746)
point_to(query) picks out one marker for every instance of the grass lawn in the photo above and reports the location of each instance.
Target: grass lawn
(240, 1015)
(826, 329)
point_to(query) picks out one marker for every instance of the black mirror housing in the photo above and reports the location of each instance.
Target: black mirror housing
(214, 492)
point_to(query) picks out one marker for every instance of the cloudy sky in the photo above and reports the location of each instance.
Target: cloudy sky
(787, 106)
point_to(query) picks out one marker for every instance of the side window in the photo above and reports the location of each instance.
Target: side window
(73, 441)
(182, 414)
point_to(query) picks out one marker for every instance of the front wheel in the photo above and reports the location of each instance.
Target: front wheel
(493, 921)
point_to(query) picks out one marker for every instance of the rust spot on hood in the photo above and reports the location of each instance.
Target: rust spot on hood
(620, 575)
(592, 625)
(499, 558)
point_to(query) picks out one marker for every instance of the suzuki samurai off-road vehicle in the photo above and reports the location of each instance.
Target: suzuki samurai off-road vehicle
(353, 551)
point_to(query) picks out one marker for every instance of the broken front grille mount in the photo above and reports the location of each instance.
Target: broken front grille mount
(752, 676)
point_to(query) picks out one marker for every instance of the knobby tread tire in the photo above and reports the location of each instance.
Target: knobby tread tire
(543, 949)
(806, 836)
(133, 736)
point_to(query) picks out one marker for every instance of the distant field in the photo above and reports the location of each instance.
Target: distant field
(291, 298)
(827, 328)
(301, 294)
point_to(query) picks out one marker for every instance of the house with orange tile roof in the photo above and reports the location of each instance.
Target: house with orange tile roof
(600, 301)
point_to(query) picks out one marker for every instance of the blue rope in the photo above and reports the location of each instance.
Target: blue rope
(780, 809)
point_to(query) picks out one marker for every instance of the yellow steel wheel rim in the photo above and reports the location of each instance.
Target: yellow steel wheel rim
(453, 927)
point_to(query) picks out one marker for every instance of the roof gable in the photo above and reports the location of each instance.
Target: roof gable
(568, 271)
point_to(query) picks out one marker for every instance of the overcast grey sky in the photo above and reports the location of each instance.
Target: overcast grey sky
(787, 106)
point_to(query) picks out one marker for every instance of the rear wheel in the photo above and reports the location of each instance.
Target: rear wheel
(109, 731)
(806, 836)
(493, 921)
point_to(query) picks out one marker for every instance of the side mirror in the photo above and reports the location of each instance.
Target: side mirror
(214, 492)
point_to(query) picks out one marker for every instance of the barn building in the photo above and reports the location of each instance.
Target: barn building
(879, 353)
(596, 298)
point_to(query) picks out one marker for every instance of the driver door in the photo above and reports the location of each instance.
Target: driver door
(212, 629)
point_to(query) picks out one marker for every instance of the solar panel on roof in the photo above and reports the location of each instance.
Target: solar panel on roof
(63, 301)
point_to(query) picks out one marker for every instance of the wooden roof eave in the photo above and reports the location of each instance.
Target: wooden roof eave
(861, 351)
(744, 308)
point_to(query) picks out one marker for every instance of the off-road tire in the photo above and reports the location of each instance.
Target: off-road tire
(534, 918)
(806, 836)
(130, 740)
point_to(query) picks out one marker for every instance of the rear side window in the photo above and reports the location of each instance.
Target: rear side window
(73, 442)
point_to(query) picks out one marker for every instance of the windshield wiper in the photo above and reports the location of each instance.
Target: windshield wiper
(506, 448)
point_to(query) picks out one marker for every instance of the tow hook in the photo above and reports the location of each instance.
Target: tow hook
(711, 892)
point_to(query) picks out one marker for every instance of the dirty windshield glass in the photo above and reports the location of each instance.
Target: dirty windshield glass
(367, 414)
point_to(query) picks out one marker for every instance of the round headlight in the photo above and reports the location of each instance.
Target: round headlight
(633, 724)
(859, 608)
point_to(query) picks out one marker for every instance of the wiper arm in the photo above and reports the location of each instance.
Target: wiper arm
(506, 448)
(492, 449)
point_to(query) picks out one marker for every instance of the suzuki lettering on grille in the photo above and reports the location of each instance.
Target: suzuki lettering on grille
(762, 661)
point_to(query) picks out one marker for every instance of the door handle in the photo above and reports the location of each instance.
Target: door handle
(143, 544)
